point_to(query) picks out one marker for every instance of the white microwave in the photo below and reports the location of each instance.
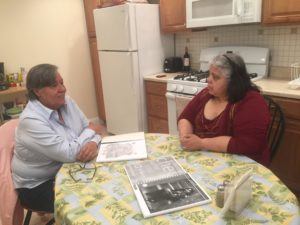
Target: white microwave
(206, 13)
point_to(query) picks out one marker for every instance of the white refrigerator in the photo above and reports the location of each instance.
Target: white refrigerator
(130, 46)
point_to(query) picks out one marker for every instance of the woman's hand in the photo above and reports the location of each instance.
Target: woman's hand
(99, 129)
(191, 142)
(88, 152)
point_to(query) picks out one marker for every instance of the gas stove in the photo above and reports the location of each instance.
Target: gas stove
(191, 83)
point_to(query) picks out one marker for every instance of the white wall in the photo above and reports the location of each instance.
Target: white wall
(49, 31)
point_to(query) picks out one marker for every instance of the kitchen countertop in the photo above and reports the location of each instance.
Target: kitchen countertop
(273, 87)
(161, 77)
(276, 87)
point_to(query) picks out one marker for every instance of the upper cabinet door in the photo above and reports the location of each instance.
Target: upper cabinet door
(172, 15)
(281, 12)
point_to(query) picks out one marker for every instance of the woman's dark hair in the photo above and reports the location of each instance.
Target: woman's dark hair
(42, 75)
(234, 68)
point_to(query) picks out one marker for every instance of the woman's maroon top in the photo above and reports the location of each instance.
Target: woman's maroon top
(245, 121)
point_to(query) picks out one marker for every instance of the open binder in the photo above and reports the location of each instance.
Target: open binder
(122, 147)
(163, 186)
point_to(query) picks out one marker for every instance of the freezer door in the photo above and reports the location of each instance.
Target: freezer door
(115, 28)
(121, 91)
(153, 47)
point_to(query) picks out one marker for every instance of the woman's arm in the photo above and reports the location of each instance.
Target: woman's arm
(38, 136)
(184, 127)
(216, 144)
(250, 126)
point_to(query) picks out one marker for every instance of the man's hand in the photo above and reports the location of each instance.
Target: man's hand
(191, 142)
(99, 129)
(88, 152)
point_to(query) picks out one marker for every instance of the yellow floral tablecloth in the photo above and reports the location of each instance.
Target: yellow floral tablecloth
(100, 193)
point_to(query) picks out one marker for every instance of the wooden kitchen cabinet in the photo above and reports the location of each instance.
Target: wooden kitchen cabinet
(172, 15)
(107, 3)
(89, 6)
(157, 109)
(286, 162)
(281, 12)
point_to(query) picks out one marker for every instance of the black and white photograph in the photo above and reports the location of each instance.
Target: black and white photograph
(173, 193)
(163, 186)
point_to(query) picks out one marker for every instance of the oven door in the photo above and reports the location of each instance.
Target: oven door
(176, 103)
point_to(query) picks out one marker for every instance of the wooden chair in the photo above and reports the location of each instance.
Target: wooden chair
(29, 213)
(276, 127)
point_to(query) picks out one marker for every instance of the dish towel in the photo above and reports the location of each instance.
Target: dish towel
(181, 102)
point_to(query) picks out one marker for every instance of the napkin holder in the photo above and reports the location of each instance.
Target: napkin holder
(238, 194)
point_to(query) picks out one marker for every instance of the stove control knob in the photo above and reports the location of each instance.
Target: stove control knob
(180, 88)
(194, 90)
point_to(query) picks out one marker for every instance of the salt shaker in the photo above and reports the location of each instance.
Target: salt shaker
(220, 196)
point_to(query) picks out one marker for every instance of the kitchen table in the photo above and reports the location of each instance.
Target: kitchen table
(100, 193)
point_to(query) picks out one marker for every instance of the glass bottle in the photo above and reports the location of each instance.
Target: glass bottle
(23, 74)
(186, 61)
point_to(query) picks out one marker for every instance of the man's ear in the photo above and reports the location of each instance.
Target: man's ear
(37, 92)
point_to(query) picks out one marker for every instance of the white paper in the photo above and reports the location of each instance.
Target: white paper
(122, 147)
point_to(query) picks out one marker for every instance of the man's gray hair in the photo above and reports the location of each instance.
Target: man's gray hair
(39, 76)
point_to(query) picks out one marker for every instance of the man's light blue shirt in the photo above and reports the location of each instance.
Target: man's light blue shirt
(43, 142)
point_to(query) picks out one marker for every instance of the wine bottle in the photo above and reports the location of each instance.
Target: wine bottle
(186, 61)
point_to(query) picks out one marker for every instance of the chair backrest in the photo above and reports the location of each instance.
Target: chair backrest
(276, 127)
(11, 213)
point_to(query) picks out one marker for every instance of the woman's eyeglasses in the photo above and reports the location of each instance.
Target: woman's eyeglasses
(83, 172)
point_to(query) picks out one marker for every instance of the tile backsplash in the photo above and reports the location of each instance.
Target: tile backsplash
(283, 42)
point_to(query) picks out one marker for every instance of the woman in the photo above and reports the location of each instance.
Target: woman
(229, 115)
(52, 130)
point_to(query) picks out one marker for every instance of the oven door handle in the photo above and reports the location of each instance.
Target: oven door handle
(185, 96)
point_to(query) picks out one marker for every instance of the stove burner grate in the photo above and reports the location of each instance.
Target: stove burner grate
(196, 76)
(252, 75)
(200, 76)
